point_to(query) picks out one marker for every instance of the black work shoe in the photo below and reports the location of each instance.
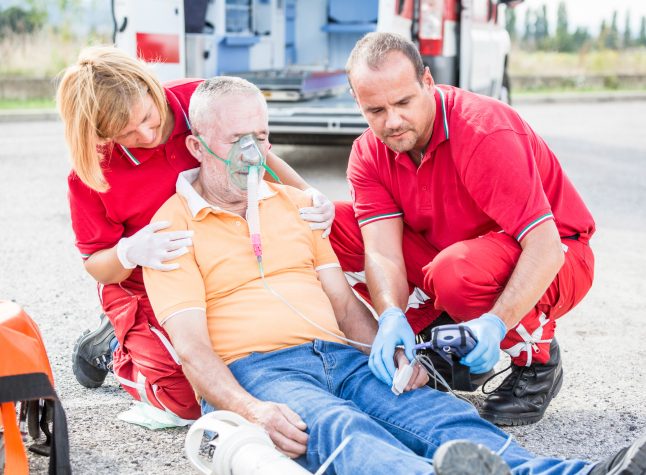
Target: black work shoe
(458, 378)
(92, 357)
(461, 457)
(628, 461)
(524, 395)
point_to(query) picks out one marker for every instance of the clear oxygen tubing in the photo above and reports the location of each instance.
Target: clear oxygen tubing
(253, 217)
(253, 221)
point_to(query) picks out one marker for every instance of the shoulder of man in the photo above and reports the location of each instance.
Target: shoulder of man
(175, 209)
(475, 114)
(295, 196)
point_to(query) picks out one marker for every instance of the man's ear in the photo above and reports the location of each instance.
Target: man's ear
(427, 78)
(193, 145)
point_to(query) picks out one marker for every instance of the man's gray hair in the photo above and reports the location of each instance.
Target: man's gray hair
(202, 106)
(373, 48)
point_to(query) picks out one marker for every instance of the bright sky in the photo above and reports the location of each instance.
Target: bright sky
(588, 13)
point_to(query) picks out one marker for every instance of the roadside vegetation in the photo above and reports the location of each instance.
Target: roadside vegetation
(566, 57)
(544, 57)
(32, 47)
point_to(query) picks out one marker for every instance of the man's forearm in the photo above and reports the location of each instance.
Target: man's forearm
(357, 323)
(215, 383)
(537, 267)
(386, 282)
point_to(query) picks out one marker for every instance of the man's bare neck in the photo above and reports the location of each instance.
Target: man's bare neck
(237, 206)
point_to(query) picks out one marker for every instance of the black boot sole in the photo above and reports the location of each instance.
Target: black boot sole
(461, 457)
(634, 462)
(523, 419)
(86, 374)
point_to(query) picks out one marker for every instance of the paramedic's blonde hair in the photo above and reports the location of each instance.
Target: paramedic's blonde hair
(94, 99)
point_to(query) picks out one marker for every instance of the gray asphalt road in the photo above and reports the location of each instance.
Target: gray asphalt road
(601, 407)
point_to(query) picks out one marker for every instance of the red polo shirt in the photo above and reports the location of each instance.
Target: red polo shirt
(140, 179)
(484, 170)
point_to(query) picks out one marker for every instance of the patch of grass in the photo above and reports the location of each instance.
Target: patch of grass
(41, 55)
(582, 63)
(10, 104)
(564, 90)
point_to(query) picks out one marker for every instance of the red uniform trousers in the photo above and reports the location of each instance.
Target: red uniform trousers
(466, 278)
(145, 363)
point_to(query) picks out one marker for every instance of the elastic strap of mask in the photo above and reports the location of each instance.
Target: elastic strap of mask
(199, 137)
(265, 166)
(272, 173)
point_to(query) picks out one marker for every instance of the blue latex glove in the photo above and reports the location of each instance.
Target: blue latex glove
(393, 330)
(489, 330)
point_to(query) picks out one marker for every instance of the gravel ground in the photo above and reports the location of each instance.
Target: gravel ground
(601, 407)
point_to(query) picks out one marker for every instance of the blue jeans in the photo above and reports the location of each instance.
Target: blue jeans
(331, 387)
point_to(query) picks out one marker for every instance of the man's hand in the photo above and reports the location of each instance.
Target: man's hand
(419, 377)
(393, 330)
(285, 428)
(489, 330)
(321, 213)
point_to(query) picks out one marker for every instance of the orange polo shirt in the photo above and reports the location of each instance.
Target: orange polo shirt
(220, 273)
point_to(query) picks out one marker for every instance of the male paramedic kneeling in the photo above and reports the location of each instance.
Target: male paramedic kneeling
(259, 312)
(455, 195)
(126, 134)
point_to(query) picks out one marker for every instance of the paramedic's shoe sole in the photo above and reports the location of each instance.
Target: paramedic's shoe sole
(461, 457)
(628, 461)
(91, 358)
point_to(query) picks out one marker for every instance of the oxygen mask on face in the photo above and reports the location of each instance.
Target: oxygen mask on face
(243, 156)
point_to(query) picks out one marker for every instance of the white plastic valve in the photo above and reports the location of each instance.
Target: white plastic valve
(241, 448)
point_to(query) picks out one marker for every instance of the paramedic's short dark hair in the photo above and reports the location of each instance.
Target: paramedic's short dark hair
(373, 48)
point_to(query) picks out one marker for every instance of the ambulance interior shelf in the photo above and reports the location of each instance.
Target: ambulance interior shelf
(296, 84)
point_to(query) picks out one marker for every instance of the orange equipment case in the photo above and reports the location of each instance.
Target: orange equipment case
(26, 375)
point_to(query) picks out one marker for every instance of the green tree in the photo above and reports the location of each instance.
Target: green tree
(603, 34)
(580, 38)
(19, 21)
(528, 30)
(612, 36)
(641, 40)
(541, 29)
(628, 34)
(510, 24)
(563, 38)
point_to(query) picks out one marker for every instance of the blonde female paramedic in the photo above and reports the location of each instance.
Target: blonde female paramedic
(126, 135)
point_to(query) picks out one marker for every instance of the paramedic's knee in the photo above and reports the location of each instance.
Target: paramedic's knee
(176, 395)
(346, 238)
(460, 286)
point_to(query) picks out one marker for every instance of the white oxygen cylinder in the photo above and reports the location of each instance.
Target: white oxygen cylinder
(241, 448)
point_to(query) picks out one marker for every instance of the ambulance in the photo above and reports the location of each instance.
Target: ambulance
(295, 50)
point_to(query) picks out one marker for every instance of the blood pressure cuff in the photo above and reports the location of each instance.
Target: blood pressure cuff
(26, 377)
